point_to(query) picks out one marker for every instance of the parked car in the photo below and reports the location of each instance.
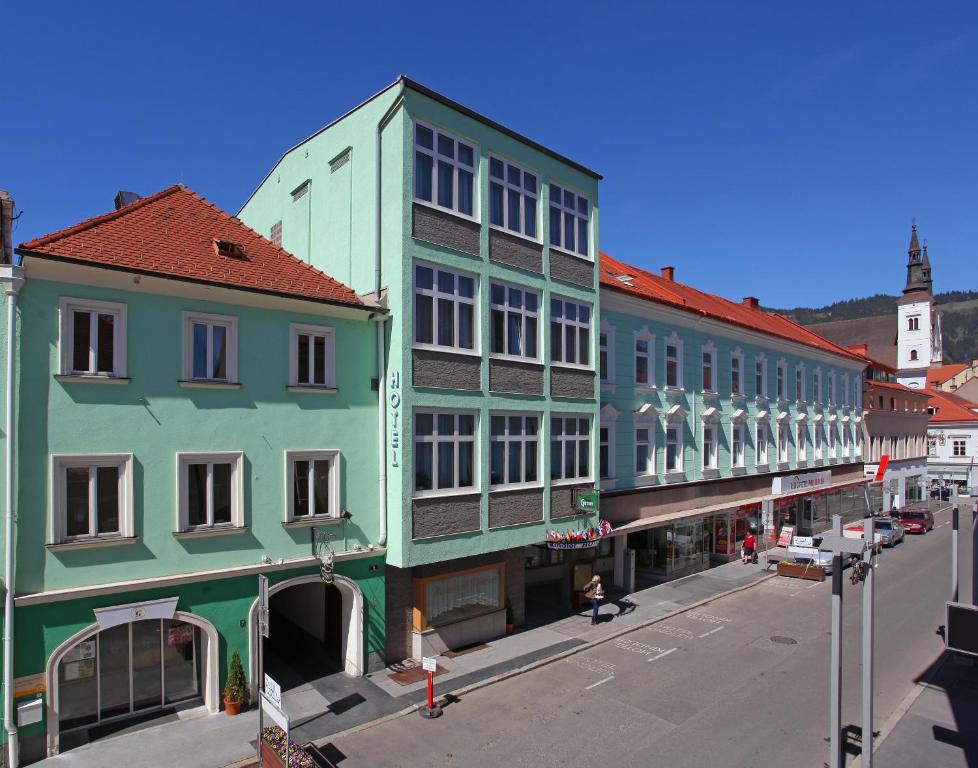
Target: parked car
(944, 494)
(916, 519)
(889, 532)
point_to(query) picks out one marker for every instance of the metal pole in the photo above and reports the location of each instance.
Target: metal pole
(835, 672)
(954, 553)
(974, 555)
(868, 630)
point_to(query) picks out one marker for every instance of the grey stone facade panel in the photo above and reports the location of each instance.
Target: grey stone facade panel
(562, 500)
(571, 269)
(515, 507)
(515, 377)
(515, 251)
(445, 370)
(443, 228)
(571, 382)
(441, 516)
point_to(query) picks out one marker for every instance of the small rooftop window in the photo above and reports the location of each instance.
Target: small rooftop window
(228, 249)
(624, 278)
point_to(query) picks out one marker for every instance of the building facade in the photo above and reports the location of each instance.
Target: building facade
(717, 418)
(193, 408)
(952, 443)
(482, 245)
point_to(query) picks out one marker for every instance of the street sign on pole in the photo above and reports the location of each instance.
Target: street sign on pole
(430, 711)
(274, 690)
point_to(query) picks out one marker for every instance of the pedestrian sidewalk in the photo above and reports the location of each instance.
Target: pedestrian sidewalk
(215, 741)
(935, 726)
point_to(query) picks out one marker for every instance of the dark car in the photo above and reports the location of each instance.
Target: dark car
(916, 519)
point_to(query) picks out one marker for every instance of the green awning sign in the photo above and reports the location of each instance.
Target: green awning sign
(587, 501)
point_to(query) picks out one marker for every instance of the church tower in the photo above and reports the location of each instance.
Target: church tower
(919, 328)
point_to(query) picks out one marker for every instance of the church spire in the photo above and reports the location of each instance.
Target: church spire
(914, 248)
(918, 265)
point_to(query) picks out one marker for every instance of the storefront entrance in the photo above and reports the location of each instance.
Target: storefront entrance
(129, 670)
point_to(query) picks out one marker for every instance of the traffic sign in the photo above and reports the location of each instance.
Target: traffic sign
(274, 690)
(429, 664)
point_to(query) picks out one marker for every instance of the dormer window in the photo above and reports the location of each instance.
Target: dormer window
(228, 249)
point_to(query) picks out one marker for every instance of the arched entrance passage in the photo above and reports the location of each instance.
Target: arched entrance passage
(134, 669)
(327, 620)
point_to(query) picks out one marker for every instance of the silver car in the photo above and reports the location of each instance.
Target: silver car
(889, 530)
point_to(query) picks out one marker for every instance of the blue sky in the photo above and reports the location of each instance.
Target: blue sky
(776, 149)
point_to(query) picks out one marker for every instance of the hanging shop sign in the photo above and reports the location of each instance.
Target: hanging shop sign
(798, 483)
(395, 400)
(585, 500)
(123, 614)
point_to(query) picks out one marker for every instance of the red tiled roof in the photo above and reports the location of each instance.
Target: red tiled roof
(645, 285)
(897, 387)
(949, 408)
(938, 374)
(173, 233)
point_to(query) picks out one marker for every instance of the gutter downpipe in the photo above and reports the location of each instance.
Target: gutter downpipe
(381, 323)
(12, 277)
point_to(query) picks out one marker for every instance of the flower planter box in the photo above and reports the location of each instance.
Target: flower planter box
(801, 571)
(270, 757)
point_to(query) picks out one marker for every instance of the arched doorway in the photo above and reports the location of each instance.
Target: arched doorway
(100, 680)
(315, 629)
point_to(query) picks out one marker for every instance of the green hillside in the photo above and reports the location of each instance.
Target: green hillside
(959, 310)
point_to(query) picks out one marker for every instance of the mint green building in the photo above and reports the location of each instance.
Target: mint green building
(192, 407)
(482, 245)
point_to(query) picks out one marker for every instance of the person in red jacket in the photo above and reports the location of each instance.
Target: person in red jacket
(750, 544)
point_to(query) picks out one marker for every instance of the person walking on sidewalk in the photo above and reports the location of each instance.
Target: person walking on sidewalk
(750, 544)
(595, 593)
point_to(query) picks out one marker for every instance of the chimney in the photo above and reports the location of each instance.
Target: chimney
(6, 225)
(751, 301)
(859, 349)
(668, 272)
(123, 198)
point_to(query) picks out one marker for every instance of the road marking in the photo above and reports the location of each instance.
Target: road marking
(816, 584)
(671, 631)
(664, 653)
(709, 618)
(636, 647)
(795, 594)
(600, 682)
(706, 634)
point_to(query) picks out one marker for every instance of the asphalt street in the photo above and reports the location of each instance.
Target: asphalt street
(742, 681)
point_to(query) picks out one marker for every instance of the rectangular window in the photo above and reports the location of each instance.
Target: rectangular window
(513, 319)
(570, 448)
(93, 338)
(958, 447)
(643, 361)
(312, 356)
(210, 490)
(570, 332)
(833, 440)
(845, 390)
(444, 170)
(444, 307)
(314, 485)
(760, 444)
(735, 373)
(783, 443)
(275, 235)
(569, 214)
(513, 449)
(210, 348)
(707, 371)
(674, 448)
(799, 384)
(760, 378)
(782, 374)
(644, 451)
(92, 497)
(673, 369)
(832, 391)
(458, 596)
(603, 350)
(737, 445)
(817, 386)
(444, 451)
(605, 445)
(845, 442)
(512, 197)
(801, 443)
(709, 447)
(819, 439)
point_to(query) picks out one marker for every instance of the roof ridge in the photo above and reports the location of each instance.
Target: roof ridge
(101, 218)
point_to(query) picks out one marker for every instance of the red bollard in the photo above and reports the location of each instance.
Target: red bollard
(432, 710)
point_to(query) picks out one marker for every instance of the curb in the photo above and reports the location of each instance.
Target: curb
(535, 664)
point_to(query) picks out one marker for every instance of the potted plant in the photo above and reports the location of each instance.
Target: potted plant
(509, 617)
(235, 689)
(273, 746)
(810, 571)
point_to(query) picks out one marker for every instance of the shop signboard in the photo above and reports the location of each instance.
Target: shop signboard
(585, 500)
(573, 544)
(784, 538)
(809, 481)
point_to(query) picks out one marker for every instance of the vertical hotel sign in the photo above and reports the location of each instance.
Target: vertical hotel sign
(395, 401)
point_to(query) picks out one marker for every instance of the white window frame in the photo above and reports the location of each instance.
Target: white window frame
(673, 341)
(782, 380)
(607, 425)
(679, 427)
(607, 330)
(817, 386)
(507, 440)
(333, 489)
(858, 441)
(760, 369)
(845, 441)
(236, 460)
(456, 166)
(831, 394)
(456, 298)
(956, 443)
(564, 439)
(709, 363)
(60, 463)
(507, 188)
(456, 439)
(648, 426)
(230, 323)
(564, 323)
(710, 446)
(800, 383)
(643, 334)
(845, 390)
(563, 209)
(801, 441)
(738, 357)
(783, 441)
(819, 441)
(761, 443)
(737, 459)
(523, 314)
(329, 336)
(833, 440)
(67, 306)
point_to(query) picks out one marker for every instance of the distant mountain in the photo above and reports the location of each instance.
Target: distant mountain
(958, 308)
